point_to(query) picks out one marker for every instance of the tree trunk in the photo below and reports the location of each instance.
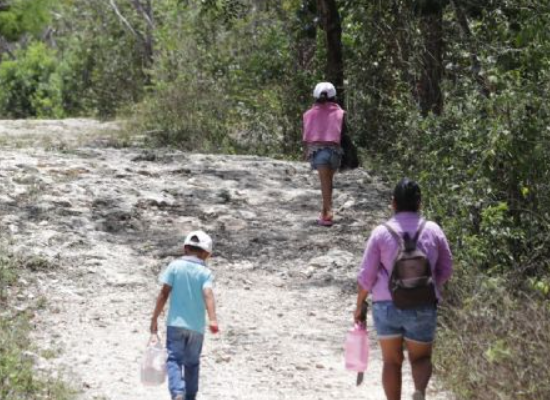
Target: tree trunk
(329, 18)
(305, 43)
(4, 6)
(146, 10)
(402, 44)
(484, 86)
(429, 89)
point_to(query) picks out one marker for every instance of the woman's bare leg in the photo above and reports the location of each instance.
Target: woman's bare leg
(326, 175)
(392, 355)
(420, 357)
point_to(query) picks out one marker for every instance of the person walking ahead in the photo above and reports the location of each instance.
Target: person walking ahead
(323, 125)
(398, 318)
(188, 284)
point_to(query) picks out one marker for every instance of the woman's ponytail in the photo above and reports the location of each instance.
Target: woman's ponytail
(323, 98)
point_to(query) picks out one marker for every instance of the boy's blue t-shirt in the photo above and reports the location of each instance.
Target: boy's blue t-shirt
(188, 277)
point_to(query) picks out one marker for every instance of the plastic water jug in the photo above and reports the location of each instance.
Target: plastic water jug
(356, 349)
(153, 365)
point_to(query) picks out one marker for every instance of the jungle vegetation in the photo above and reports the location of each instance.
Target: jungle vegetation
(453, 93)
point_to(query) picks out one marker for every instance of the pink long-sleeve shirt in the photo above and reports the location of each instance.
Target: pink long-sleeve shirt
(382, 249)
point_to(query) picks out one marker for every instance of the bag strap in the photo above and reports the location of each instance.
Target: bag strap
(398, 237)
(395, 235)
(419, 231)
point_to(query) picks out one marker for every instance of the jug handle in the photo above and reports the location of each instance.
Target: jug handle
(154, 339)
(360, 327)
(363, 316)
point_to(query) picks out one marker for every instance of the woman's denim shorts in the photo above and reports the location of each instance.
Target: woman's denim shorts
(325, 157)
(415, 324)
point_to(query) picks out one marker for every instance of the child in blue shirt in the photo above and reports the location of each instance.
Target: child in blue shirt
(187, 282)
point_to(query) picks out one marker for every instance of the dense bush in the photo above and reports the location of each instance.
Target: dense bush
(31, 86)
(24, 17)
(87, 63)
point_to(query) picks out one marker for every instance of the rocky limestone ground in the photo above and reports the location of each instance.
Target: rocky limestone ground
(95, 224)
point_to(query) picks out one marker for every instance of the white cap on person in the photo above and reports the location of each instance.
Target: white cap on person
(324, 87)
(199, 239)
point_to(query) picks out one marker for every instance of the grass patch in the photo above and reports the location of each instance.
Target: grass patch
(18, 377)
(495, 340)
(36, 263)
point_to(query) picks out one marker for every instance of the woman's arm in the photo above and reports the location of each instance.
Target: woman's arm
(368, 272)
(362, 295)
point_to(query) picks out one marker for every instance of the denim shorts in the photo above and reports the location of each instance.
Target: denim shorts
(415, 324)
(325, 157)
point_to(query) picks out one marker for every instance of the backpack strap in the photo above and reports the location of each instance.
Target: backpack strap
(398, 237)
(419, 231)
(395, 235)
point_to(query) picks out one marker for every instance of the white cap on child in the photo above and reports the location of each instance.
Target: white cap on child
(199, 239)
(324, 87)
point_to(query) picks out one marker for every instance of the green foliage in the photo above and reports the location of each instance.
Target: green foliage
(484, 173)
(94, 65)
(103, 65)
(30, 84)
(25, 16)
(236, 75)
(234, 85)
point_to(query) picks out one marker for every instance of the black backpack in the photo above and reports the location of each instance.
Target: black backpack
(350, 159)
(411, 283)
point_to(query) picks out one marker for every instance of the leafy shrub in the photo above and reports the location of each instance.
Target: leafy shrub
(30, 85)
(23, 16)
(186, 116)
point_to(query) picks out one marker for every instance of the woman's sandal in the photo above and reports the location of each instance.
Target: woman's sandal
(322, 221)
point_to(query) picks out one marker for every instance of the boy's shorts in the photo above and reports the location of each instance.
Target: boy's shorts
(325, 157)
(416, 324)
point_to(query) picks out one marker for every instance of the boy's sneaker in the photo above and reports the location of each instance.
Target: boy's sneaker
(179, 397)
(418, 396)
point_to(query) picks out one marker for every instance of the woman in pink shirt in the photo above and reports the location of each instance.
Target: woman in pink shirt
(413, 326)
(323, 125)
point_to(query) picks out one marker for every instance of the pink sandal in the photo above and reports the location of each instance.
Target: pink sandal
(322, 221)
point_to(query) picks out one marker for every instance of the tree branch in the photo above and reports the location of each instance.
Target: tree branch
(5, 48)
(145, 11)
(330, 22)
(124, 21)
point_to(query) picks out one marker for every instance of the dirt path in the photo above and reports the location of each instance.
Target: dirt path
(97, 224)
